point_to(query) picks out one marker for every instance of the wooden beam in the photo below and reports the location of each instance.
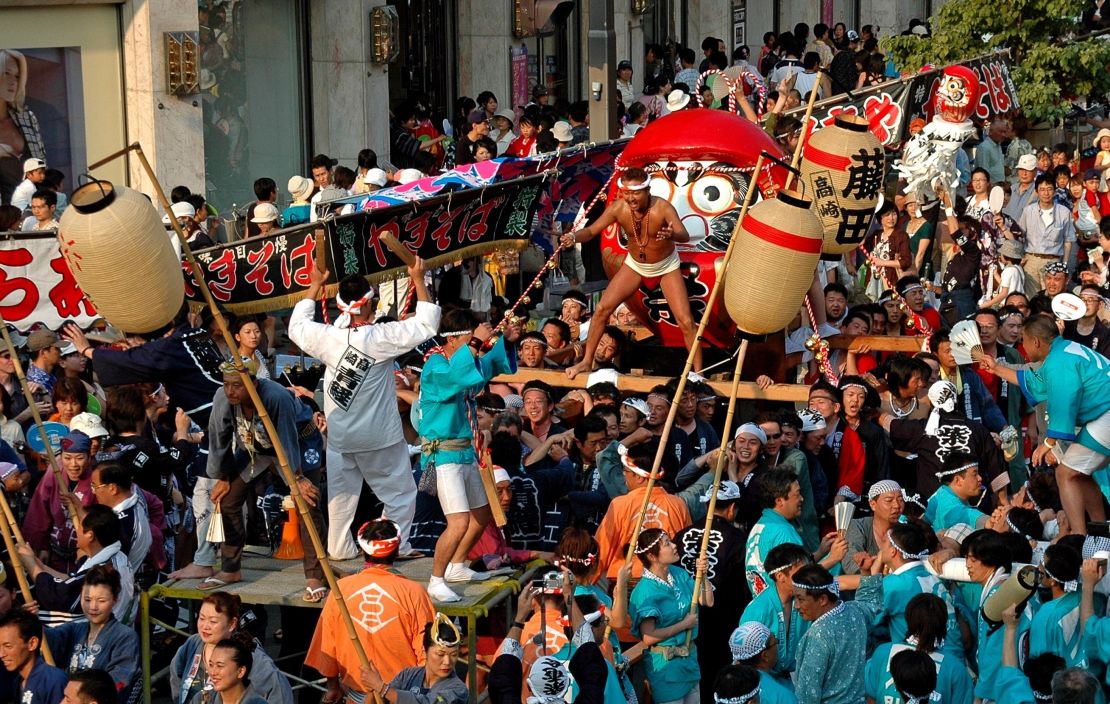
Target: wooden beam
(794, 393)
(878, 343)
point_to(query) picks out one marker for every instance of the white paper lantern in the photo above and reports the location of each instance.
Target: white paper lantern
(119, 252)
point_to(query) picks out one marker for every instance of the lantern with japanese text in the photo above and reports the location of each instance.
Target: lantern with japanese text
(119, 253)
(843, 168)
(779, 246)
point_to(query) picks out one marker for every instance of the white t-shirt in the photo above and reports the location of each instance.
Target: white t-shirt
(1013, 279)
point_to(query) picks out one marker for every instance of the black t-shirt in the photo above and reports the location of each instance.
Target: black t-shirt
(954, 434)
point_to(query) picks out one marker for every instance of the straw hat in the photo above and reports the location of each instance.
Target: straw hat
(1104, 132)
(265, 212)
(299, 187)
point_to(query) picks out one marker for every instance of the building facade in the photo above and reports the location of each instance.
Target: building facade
(221, 92)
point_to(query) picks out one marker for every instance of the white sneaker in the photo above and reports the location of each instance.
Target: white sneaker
(439, 591)
(458, 572)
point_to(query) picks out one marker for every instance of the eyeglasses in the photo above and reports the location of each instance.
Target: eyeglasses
(94, 487)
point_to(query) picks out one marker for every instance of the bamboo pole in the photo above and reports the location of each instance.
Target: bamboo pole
(699, 579)
(63, 488)
(801, 139)
(260, 409)
(713, 294)
(8, 528)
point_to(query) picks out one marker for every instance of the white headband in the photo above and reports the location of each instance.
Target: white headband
(455, 333)
(500, 474)
(1069, 586)
(634, 187)
(629, 464)
(903, 552)
(737, 700)
(349, 309)
(948, 472)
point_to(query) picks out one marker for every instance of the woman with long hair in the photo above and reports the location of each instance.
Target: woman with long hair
(20, 138)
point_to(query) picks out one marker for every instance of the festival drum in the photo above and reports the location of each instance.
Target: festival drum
(842, 167)
(701, 162)
(771, 270)
(118, 250)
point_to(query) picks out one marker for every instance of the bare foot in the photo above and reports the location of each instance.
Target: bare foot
(577, 369)
(192, 571)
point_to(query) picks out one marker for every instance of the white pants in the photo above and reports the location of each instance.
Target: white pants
(202, 514)
(388, 471)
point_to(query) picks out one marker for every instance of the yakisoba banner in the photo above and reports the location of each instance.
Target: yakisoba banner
(890, 107)
(36, 285)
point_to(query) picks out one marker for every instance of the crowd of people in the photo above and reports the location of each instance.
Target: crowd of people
(872, 544)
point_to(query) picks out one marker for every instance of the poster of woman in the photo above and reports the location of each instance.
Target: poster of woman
(41, 113)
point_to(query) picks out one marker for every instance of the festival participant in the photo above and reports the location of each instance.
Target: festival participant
(533, 348)
(725, 553)
(187, 361)
(68, 399)
(218, 622)
(989, 563)
(774, 606)
(99, 641)
(112, 487)
(652, 228)
(753, 645)
(47, 526)
(945, 432)
(433, 682)
(493, 548)
(634, 415)
(1056, 280)
(1056, 626)
(21, 652)
(97, 543)
(247, 331)
(703, 437)
(777, 454)
(912, 292)
(848, 455)
(1089, 330)
(927, 618)
(812, 431)
(235, 422)
(659, 403)
(539, 407)
(391, 635)
(832, 653)
(960, 483)
(451, 378)
(661, 616)
(90, 687)
(664, 510)
(866, 534)
(972, 395)
(904, 553)
(229, 669)
(782, 503)
(359, 387)
(1077, 396)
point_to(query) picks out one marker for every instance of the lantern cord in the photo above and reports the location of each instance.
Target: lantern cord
(267, 422)
(51, 456)
(821, 346)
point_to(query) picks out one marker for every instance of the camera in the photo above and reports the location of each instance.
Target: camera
(551, 583)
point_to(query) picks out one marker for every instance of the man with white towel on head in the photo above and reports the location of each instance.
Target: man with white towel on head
(365, 440)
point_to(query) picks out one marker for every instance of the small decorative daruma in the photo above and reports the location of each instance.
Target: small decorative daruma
(843, 169)
(118, 250)
(776, 255)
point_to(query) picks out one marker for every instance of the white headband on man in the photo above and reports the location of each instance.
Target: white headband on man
(349, 309)
(632, 187)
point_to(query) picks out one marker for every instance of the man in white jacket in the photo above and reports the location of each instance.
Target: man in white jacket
(365, 440)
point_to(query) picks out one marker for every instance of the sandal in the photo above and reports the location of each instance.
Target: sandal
(209, 584)
(314, 595)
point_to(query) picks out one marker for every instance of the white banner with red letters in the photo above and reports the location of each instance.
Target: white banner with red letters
(36, 285)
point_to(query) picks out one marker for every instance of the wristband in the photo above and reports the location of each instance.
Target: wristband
(949, 211)
(475, 344)
(1045, 443)
(516, 624)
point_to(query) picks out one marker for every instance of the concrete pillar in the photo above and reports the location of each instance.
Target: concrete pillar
(350, 95)
(169, 128)
(485, 36)
(602, 62)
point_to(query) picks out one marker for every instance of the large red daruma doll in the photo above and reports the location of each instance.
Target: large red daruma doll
(705, 160)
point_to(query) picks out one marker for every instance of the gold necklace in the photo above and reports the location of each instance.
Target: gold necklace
(637, 233)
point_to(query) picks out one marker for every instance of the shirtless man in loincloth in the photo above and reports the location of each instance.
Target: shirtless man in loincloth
(652, 227)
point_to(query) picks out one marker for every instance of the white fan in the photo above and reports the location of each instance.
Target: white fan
(967, 348)
(996, 199)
